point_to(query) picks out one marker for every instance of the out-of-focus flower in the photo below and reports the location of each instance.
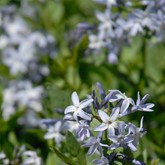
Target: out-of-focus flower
(54, 132)
(3, 159)
(31, 158)
(115, 29)
(21, 94)
(20, 46)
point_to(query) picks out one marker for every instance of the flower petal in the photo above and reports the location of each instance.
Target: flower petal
(132, 147)
(101, 127)
(49, 135)
(85, 103)
(69, 109)
(57, 126)
(104, 117)
(144, 99)
(138, 99)
(125, 105)
(113, 146)
(114, 114)
(75, 115)
(75, 99)
(92, 149)
(84, 115)
(111, 131)
(141, 122)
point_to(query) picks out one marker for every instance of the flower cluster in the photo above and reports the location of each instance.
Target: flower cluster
(113, 132)
(122, 20)
(23, 50)
(22, 157)
(20, 46)
(21, 94)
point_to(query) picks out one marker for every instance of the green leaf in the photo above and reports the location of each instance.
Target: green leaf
(72, 145)
(81, 158)
(155, 162)
(63, 157)
(73, 78)
(75, 149)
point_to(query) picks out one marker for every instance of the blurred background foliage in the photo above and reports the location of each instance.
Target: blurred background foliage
(141, 67)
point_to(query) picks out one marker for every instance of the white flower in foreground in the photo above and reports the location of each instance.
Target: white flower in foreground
(116, 95)
(31, 158)
(141, 105)
(77, 107)
(109, 122)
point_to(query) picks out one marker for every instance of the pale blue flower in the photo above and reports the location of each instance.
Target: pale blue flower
(3, 159)
(116, 95)
(141, 105)
(31, 158)
(54, 132)
(135, 132)
(109, 122)
(94, 145)
(83, 131)
(77, 107)
(121, 139)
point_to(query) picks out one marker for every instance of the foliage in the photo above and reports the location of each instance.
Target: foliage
(45, 55)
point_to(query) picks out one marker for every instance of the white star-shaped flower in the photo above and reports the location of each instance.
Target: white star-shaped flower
(77, 107)
(109, 122)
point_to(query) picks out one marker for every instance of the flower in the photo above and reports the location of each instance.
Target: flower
(121, 139)
(77, 107)
(3, 159)
(140, 104)
(94, 145)
(109, 122)
(96, 42)
(31, 157)
(54, 132)
(83, 130)
(135, 132)
(21, 94)
(116, 95)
